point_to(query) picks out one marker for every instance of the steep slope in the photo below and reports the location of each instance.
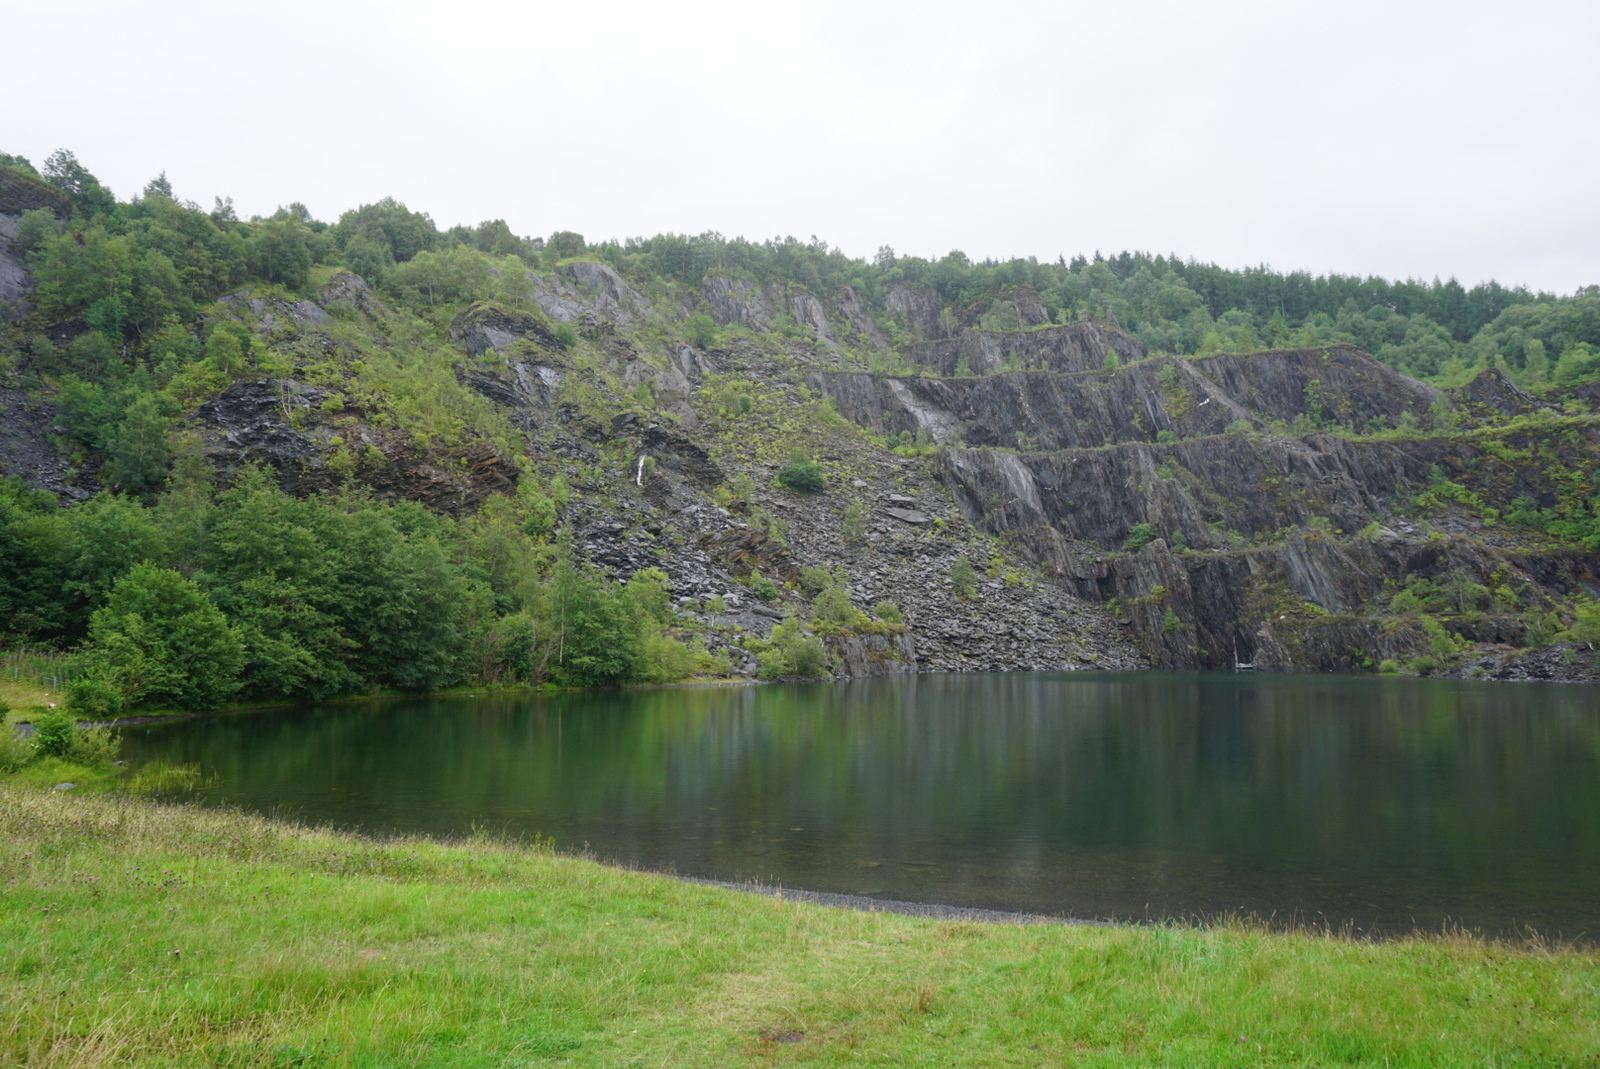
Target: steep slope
(1261, 545)
(1049, 497)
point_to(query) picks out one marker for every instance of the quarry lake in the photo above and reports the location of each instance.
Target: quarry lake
(1378, 803)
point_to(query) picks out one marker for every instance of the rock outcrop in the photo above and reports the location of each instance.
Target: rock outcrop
(14, 282)
(1172, 397)
(279, 424)
(20, 193)
(757, 306)
(1073, 347)
(485, 325)
(576, 290)
(1231, 465)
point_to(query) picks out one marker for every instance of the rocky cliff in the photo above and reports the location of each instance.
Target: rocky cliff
(1047, 497)
(1262, 545)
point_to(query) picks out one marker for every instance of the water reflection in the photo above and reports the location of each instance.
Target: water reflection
(1382, 803)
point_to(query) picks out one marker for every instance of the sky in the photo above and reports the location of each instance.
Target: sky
(1407, 139)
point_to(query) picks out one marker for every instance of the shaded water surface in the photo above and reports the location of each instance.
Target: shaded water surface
(1386, 804)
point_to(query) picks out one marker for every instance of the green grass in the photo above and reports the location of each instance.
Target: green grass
(133, 934)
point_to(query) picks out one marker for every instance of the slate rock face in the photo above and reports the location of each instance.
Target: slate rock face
(917, 310)
(1254, 558)
(252, 423)
(349, 288)
(1491, 391)
(20, 193)
(577, 290)
(486, 325)
(276, 423)
(271, 313)
(27, 448)
(1184, 397)
(15, 284)
(1068, 348)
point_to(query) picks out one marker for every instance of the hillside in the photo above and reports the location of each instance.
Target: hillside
(376, 454)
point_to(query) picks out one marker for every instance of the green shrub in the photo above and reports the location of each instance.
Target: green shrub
(1139, 536)
(833, 606)
(702, 331)
(772, 665)
(965, 577)
(808, 658)
(853, 524)
(1424, 665)
(792, 653)
(1585, 624)
(802, 475)
(763, 587)
(52, 732)
(97, 694)
(1542, 631)
(1441, 641)
(888, 612)
(815, 578)
(1388, 666)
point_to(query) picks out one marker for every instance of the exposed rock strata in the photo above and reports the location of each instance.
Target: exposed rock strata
(1073, 347)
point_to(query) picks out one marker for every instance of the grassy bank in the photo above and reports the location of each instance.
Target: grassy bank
(133, 934)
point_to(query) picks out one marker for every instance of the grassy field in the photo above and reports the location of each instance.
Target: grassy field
(134, 934)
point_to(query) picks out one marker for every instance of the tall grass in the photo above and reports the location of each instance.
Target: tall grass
(44, 668)
(133, 934)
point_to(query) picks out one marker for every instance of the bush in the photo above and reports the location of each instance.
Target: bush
(888, 612)
(1388, 667)
(853, 524)
(815, 578)
(159, 639)
(56, 734)
(965, 578)
(1139, 536)
(808, 658)
(1425, 665)
(96, 694)
(773, 665)
(833, 606)
(53, 733)
(792, 653)
(763, 587)
(702, 331)
(667, 660)
(802, 475)
(1440, 640)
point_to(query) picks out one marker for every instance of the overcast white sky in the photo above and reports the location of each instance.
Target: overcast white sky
(1402, 138)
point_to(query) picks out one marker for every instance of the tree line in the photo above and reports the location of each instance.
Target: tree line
(138, 272)
(200, 598)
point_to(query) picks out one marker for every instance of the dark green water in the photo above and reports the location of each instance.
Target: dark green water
(1383, 803)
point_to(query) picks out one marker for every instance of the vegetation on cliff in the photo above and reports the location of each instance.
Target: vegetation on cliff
(309, 458)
